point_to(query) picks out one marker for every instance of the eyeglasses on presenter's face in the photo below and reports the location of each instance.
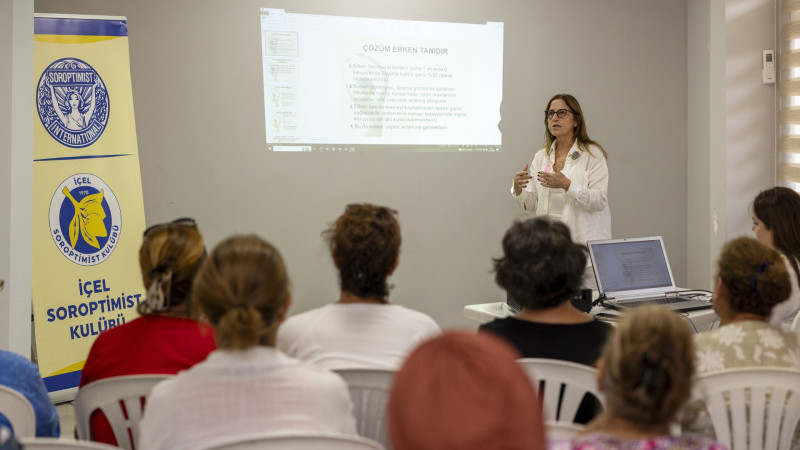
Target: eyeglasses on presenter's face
(561, 113)
(183, 222)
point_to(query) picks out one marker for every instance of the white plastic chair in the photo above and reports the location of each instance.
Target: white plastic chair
(62, 444)
(796, 322)
(551, 376)
(562, 430)
(296, 442)
(19, 412)
(752, 408)
(369, 392)
(121, 400)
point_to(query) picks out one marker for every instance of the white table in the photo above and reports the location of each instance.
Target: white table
(701, 320)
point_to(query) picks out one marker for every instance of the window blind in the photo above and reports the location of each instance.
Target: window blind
(789, 94)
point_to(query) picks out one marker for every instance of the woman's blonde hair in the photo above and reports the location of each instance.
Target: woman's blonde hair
(170, 255)
(648, 364)
(754, 276)
(240, 289)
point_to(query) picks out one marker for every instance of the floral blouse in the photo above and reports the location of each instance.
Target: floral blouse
(599, 441)
(738, 345)
(746, 344)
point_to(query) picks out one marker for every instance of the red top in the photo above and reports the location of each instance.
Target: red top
(152, 344)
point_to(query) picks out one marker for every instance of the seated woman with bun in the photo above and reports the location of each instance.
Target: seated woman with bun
(541, 270)
(361, 329)
(246, 386)
(751, 280)
(165, 339)
(646, 375)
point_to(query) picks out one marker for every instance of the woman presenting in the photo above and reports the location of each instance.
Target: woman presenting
(571, 174)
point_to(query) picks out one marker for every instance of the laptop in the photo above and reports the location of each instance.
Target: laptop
(635, 272)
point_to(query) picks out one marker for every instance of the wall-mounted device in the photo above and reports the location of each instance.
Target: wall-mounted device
(768, 67)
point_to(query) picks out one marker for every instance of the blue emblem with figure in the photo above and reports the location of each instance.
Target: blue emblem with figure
(85, 219)
(72, 102)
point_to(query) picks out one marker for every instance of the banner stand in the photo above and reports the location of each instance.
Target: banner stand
(88, 212)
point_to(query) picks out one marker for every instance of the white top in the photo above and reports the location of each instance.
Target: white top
(355, 335)
(235, 393)
(585, 208)
(783, 313)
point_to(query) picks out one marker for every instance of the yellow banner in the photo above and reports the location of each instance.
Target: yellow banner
(88, 213)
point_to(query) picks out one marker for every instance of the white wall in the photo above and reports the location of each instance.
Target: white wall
(751, 112)
(731, 123)
(16, 169)
(198, 97)
(640, 70)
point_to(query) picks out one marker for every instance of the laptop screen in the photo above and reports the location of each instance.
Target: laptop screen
(631, 265)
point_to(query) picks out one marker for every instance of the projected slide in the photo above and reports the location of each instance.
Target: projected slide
(356, 84)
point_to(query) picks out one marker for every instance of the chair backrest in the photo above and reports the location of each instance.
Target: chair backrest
(369, 392)
(752, 408)
(552, 376)
(562, 430)
(62, 444)
(121, 400)
(19, 412)
(297, 442)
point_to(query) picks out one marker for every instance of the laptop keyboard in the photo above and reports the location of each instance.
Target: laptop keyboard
(658, 300)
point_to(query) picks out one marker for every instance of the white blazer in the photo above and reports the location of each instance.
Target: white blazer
(586, 209)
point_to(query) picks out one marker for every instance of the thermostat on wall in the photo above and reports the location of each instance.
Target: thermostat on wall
(768, 67)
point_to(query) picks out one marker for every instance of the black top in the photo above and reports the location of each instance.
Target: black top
(580, 343)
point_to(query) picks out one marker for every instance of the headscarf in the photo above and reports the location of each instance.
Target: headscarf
(463, 391)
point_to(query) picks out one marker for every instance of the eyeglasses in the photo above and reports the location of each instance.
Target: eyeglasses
(183, 222)
(561, 113)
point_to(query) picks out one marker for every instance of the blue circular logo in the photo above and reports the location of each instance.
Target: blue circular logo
(85, 219)
(72, 101)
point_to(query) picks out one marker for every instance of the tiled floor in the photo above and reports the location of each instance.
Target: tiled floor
(66, 416)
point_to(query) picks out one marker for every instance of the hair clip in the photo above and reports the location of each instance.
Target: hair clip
(156, 299)
(649, 373)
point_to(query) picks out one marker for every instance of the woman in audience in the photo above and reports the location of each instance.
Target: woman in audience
(776, 223)
(19, 374)
(646, 375)
(245, 386)
(467, 392)
(362, 329)
(751, 280)
(541, 270)
(165, 339)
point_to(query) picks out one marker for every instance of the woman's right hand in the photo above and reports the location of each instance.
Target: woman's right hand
(521, 180)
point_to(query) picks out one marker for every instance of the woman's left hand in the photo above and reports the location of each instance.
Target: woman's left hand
(553, 180)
